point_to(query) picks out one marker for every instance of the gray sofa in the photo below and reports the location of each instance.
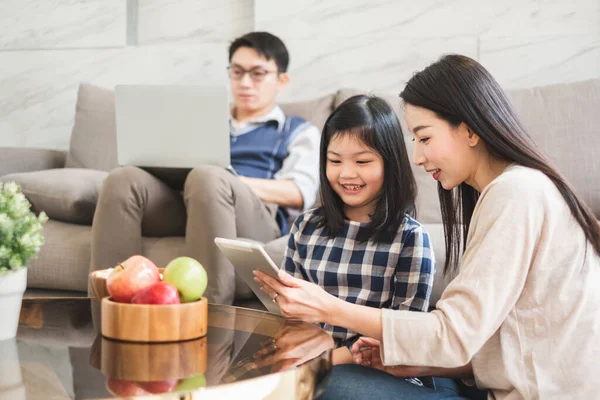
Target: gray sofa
(563, 118)
(66, 184)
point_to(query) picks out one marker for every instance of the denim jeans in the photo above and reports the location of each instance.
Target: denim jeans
(352, 381)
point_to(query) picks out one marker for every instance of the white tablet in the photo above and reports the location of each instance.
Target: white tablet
(247, 257)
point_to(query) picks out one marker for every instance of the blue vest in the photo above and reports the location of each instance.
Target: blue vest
(260, 153)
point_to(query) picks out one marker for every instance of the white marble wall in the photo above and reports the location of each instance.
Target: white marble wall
(48, 47)
(378, 44)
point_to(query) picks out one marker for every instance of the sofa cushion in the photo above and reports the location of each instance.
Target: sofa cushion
(315, 111)
(63, 262)
(564, 121)
(94, 139)
(64, 194)
(428, 204)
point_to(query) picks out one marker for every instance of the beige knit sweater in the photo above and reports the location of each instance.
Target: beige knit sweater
(525, 306)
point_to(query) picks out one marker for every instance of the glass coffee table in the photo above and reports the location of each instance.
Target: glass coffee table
(246, 354)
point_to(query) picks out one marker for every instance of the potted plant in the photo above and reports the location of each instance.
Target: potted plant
(20, 239)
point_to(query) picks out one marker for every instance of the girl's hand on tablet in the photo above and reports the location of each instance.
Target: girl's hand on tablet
(297, 298)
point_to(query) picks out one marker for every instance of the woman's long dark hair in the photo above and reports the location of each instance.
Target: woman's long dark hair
(373, 121)
(458, 89)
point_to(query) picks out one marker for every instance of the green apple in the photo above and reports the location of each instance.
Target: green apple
(188, 276)
(191, 383)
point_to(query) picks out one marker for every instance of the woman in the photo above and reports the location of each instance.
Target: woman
(521, 317)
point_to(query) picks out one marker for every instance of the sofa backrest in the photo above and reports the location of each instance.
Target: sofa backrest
(94, 139)
(564, 120)
(315, 111)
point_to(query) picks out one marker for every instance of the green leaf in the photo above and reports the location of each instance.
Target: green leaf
(20, 229)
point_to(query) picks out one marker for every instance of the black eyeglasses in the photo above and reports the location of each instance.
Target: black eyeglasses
(257, 74)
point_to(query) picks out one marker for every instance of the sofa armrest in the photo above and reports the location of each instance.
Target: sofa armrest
(23, 159)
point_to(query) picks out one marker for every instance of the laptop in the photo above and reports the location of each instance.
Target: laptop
(170, 129)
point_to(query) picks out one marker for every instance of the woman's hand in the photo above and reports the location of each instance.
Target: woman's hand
(367, 351)
(298, 299)
(293, 345)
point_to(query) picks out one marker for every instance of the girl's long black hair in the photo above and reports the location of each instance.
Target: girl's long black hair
(373, 121)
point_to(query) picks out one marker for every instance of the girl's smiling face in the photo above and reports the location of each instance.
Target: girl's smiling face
(355, 173)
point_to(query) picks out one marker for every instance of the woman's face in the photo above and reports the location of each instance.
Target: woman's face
(445, 151)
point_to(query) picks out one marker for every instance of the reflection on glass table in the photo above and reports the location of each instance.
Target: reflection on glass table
(245, 354)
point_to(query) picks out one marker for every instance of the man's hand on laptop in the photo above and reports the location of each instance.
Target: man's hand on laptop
(279, 191)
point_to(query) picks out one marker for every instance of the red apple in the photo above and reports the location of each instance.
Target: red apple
(123, 388)
(158, 293)
(131, 276)
(158, 386)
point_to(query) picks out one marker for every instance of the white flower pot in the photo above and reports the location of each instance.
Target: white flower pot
(12, 287)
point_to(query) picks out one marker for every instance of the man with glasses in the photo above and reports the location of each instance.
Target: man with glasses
(275, 158)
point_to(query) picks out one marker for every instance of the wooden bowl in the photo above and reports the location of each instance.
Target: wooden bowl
(148, 322)
(154, 322)
(98, 283)
(147, 362)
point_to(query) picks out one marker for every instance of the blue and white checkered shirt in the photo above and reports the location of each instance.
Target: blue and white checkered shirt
(397, 275)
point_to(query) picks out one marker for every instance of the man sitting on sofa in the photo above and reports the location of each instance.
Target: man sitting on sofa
(275, 155)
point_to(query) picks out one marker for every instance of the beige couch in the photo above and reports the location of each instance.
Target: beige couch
(564, 119)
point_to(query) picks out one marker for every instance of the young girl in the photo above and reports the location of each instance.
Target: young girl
(361, 245)
(521, 317)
